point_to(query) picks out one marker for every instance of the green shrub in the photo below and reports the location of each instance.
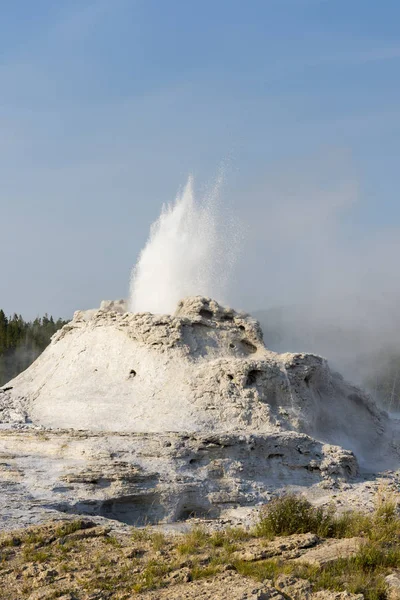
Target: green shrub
(291, 514)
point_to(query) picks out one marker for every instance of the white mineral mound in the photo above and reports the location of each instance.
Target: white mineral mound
(204, 369)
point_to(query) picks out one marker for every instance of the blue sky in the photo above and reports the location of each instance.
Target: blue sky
(107, 105)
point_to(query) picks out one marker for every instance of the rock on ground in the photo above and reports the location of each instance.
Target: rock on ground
(226, 585)
(393, 585)
(301, 589)
(331, 551)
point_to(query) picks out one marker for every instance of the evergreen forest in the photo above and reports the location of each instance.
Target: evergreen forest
(21, 342)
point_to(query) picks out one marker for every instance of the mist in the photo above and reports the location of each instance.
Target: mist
(314, 267)
(317, 270)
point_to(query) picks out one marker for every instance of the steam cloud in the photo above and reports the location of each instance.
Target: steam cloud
(318, 278)
(327, 275)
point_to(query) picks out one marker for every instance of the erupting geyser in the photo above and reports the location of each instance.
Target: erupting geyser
(153, 417)
(191, 251)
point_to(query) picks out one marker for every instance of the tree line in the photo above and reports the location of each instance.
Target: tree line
(21, 342)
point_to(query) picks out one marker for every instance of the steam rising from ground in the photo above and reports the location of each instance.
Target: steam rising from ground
(322, 267)
(312, 269)
(191, 251)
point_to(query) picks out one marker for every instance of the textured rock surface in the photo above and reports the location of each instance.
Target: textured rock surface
(393, 584)
(301, 589)
(138, 478)
(143, 418)
(227, 585)
(331, 551)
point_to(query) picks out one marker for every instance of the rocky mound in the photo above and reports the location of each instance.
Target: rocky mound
(204, 369)
(184, 414)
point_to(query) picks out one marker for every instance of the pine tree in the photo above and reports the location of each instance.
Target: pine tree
(3, 332)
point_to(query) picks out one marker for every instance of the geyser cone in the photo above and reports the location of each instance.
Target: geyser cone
(205, 369)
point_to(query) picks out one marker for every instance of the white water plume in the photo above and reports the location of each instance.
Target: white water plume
(191, 251)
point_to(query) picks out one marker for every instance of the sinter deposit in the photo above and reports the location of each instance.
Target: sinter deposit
(143, 418)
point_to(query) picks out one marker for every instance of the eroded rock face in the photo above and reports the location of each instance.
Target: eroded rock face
(184, 414)
(148, 478)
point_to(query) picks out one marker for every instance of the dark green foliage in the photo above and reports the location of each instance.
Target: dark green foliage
(291, 514)
(21, 342)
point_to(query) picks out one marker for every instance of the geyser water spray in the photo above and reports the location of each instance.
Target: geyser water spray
(191, 251)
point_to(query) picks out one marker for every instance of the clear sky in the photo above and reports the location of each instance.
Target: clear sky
(107, 105)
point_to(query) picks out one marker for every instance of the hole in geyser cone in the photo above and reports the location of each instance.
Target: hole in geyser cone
(191, 510)
(307, 379)
(252, 377)
(192, 505)
(206, 314)
(248, 346)
(135, 510)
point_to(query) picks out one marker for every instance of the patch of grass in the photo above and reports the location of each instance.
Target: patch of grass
(200, 572)
(10, 542)
(67, 548)
(36, 556)
(361, 574)
(111, 540)
(34, 537)
(193, 542)
(237, 534)
(218, 539)
(69, 527)
(158, 541)
(141, 535)
(152, 576)
(259, 570)
(342, 575)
